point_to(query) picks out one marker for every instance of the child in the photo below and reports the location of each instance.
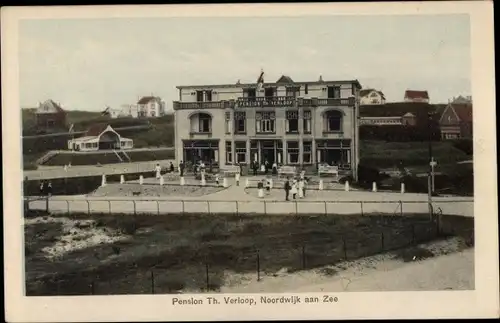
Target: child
(237, 178)
(217, 179)
(268, 185)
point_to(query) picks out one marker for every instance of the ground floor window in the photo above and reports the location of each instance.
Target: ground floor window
(307, 152)
(334, 152)
(229, 152)
(240, 151)
(292, 152)
(201, 150)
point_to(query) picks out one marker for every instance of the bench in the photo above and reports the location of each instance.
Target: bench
(287, 170)
(328, 170)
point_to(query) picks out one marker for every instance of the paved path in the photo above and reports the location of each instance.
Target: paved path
(51, 172)
(237, 199)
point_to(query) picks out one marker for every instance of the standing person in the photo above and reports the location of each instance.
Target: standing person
(287, 189)
(237, 178)
(304, 186)
(42, 188)
(301, 188)
(158, 171)
(268, 185)
(49, 189)
(217, 179)
(255, 168)
(294, 189)
(275, 168)
(181, 168)
(266, 166)
(171, 167)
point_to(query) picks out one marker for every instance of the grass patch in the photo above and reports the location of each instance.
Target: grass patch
(179, 248)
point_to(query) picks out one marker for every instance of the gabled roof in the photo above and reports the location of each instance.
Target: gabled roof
(365, 92)
(147, 99)
(411, 94)
(284, 79)
(51, 104)
(96, 129)
(252, 85)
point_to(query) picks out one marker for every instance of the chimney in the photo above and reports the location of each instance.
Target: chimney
(321, 78)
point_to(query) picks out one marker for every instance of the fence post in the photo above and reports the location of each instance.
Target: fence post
(88, 207)
(47, 204)
(258, 266)
(237, 211)
(92, 288)
(208, 207)
(183, 211)
(361, 202)
(382, 241)
(303, 257)
(265, 208)
(109, 205)
(345, 248)
(326, 209)
(67, 203)
(135, 209)
(296, 208)
(412, 234)
(401, 204)
(158, 206)
(152, 282)
(206, 271)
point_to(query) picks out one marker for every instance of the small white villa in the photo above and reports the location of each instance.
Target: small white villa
(100, 137)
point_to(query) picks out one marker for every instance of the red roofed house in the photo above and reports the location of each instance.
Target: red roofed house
(99, 137)
(150, 106)
(50, 115)
(416, 96)
(456, 121)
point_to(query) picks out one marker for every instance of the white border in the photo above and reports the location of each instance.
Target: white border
(482, 302)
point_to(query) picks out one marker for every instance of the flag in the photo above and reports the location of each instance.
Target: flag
(260, 80)
(106, 112)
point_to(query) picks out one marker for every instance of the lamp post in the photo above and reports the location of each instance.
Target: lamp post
(431, 163)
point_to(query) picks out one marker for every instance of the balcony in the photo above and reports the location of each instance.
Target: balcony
(290, 101)
(200, 134)
(203, 105)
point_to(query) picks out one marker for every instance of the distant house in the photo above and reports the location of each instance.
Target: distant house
(371, 96)
(408, 119)
(150, 106)
(50, 115)
(416, 96)
(100, 137)
(462, 100)
(456, 121)
(114, 113)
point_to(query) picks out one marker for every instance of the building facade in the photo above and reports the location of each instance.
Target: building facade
(287, 122)
(456, 121)
(150, 107)
(100, 137)
(408, 119)
(49, 116)
(371, 97)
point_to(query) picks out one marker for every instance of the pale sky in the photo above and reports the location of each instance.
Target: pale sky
(88, 64)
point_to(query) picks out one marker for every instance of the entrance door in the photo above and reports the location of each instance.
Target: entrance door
(267, 151)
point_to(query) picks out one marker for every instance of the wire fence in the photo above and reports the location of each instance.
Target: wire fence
(198, 269)
(463, 207)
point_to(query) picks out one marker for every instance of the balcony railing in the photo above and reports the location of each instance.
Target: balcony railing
(203, 105)
(290, 101)
(207, 134)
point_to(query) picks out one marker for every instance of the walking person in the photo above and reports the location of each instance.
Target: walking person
(275, 169)
(158, 171)
(287, 189)
(294, 189)
(237, 178)
(301, 188)
(171, 167)
(268, 185)
(42, 188)
(304, 186)
(217, 179)
(49, 189)
(181, 168)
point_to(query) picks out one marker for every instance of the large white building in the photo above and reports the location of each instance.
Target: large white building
(288, 122)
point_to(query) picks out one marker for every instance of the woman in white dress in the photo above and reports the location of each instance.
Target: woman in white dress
(301, 188)
(294, 189)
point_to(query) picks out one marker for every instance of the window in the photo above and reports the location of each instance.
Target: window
(333, 121)
(208, 95)
(373, 95)
(50, 123)
(307, 155)
(240, 122)
(292, 121)
(264, 122)
(249, 93)
(306, 89)
(204, 123)
(229, 152)
(241, 151)
(199, 96)
(307, 121)
(269, 92)
(292, 91)
(228, 122)
(153, 113)
(333, 92)
(293, 152)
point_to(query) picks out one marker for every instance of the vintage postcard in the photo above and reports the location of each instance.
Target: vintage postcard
(249, 162)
